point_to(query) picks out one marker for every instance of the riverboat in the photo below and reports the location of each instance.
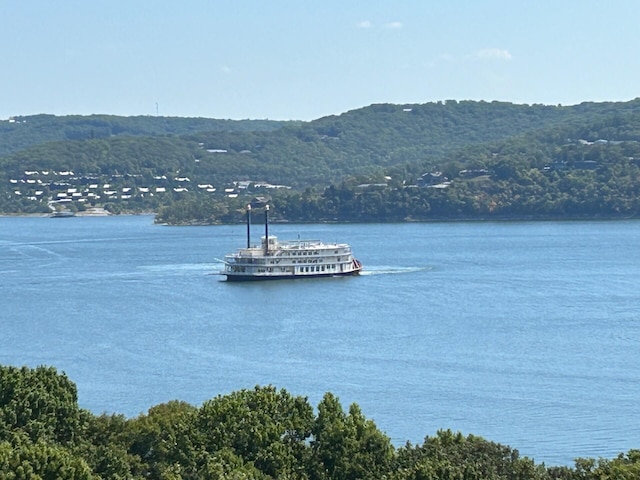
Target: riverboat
(276, 260)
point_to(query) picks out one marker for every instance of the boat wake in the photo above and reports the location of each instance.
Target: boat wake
(182, 268)
(390, 270)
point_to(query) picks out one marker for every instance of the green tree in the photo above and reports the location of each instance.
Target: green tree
(348, 446)
(41, 461)
(40, 402)
(165, 440)
(453, 456)
(263, 427)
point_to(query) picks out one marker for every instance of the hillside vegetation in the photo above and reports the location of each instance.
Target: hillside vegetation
(22, 132)
(443, 160)
(261, 433)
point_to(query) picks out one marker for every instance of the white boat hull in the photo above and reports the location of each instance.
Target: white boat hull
(252, 278)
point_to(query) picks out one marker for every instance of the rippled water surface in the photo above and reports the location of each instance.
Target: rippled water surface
(527, 334)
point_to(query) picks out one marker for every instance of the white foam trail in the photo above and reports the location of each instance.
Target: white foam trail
(27, 249)
(390, 270)
(181, 267)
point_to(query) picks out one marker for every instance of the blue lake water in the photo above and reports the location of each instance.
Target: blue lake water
(527, 334)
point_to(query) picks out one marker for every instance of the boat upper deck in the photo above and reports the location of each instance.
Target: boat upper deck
(293, 247)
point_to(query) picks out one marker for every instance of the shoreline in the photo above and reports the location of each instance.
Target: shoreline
(498, 219)
(77, 214)
(502, 219)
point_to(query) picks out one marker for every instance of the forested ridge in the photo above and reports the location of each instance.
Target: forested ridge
(442, 160)
(260, 433)
(22, 132)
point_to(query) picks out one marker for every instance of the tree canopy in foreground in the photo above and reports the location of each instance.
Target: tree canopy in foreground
(259, 433)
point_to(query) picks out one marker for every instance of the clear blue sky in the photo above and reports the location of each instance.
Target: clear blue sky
(304, 59)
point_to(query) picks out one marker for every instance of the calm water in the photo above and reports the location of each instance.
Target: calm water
(524, 333)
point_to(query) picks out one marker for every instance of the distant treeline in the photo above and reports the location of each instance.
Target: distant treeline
(261, 433)
(444, 160)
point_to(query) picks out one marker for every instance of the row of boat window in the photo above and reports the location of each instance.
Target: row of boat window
(312, 261)
(308, 252)
(275, 260)
(307, 269)
(310, 269)
(316, 268)
(315, 260)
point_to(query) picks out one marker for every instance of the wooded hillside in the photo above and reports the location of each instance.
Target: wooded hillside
(22, 132)
(391, 162)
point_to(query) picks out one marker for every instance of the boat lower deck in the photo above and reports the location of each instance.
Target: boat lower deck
(257, 277)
